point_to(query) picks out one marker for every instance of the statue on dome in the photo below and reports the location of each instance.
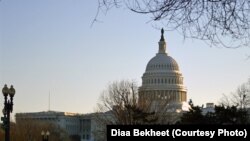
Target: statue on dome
(162, 37)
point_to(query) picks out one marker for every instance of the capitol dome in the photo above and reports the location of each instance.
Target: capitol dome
(162, 80)
(162, 62)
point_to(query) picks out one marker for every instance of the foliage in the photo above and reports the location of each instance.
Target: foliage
(193, 116)
(229, 115)
(221, 115)
(30, 130)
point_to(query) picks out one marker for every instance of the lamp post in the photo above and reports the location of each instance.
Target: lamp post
(45, 136)
(8, 107)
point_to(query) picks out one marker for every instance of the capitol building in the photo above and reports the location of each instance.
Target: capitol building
(162, 82)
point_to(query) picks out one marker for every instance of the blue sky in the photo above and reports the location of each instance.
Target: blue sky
(49, 47)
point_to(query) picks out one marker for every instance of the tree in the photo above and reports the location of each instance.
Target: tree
(228, 115)
(221, 115)
(220, 22)
(241, 97)
(1, 134)
(121, 100)
(119, 104)
(30, 130)
(193, 116)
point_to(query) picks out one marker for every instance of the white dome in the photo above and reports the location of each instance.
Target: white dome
(163, 80)
(162, 62)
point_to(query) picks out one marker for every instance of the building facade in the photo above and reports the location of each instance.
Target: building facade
(81, 125)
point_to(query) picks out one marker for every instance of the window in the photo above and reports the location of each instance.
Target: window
(87, 137)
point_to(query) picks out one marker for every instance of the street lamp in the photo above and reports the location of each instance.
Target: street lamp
(8, 107)
(45, 136)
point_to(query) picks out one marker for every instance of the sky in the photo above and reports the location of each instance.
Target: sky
(57, 60)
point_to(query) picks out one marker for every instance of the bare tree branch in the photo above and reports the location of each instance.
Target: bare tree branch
(240, 98)
(223, 23)
(120, 104)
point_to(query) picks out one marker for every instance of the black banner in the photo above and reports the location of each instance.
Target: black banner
(177, 132)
